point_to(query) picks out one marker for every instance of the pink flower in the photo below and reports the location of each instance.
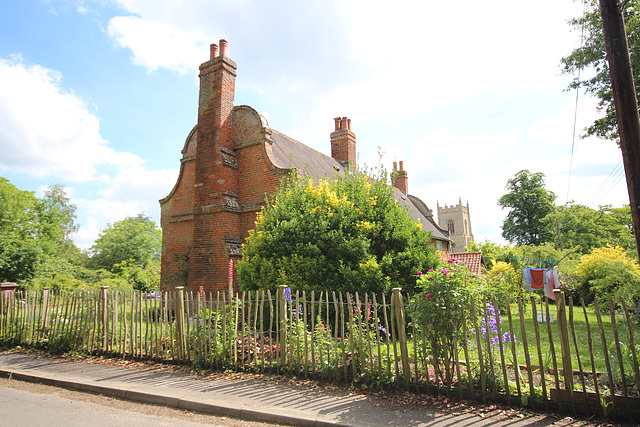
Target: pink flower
(451, 276)
(429, 295)
(419, 273)
(453, 260)
(430, 270)
(445, 271)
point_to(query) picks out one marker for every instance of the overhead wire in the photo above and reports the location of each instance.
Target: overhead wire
(618, 172)
(575, 114)
(606, 187)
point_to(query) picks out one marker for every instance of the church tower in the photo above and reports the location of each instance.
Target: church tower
(457, 221)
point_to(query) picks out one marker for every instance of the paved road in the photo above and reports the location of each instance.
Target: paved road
(29, 404)
(244, 397)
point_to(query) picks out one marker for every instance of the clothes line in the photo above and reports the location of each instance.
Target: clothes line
(546, 279)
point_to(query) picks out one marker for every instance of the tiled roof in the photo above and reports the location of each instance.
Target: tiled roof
(289, 153)
(473, 260)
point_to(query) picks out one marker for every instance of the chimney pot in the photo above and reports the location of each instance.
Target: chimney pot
(223, 47)
(349, 124)
(344, 123)
(401, 165)
(337, 120)
(213, 51)
(395, 166)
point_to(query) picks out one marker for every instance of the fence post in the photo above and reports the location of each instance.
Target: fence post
(282, 319)
(396, 299)
(563, 333)
(104, 318)
(45, 307)
(178, 308)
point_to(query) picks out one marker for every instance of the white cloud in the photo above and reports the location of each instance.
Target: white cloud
(48, 133)
(157, 44)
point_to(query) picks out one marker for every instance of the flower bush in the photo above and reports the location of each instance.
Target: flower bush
(491, 327)
(444, 299)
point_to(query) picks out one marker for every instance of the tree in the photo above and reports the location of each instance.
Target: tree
(592, 55)
(529, 202)
(57, 208)
(32, 231)
(625, 236)
(347, 234)
(582, 229)
(134, 238)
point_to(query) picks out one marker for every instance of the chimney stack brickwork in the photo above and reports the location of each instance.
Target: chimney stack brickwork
(216, 211)
(343, 142)
(400, 178)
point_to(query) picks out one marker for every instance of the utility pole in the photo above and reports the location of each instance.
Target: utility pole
(625, 101)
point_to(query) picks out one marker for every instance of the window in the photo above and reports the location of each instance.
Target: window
(438, 245)
(451, 227)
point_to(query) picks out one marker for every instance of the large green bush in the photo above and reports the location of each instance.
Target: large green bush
(608, 274)
(345, 234)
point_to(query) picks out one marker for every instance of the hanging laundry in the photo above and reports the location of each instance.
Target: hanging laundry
(549, 284)
(537, 278)
(526, 279)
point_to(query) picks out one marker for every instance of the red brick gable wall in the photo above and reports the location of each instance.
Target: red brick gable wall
(256, 177)
(176, 220)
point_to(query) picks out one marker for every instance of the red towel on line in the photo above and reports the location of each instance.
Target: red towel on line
(537, 279)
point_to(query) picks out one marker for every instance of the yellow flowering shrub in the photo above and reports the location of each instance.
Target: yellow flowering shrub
(345, 234)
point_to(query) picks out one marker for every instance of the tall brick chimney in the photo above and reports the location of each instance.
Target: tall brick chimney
(400, 179)
(216, 234)
(343, 142)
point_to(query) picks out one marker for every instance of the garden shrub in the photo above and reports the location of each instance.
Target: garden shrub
(501, 282)
(608, 274)
(345, 234)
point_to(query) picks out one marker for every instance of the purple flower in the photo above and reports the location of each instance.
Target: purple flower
(287, 294)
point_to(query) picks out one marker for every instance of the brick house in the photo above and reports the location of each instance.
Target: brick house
(231, 159)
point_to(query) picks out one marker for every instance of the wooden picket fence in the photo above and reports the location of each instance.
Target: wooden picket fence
(557, 364)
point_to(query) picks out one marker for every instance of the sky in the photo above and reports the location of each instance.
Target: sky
(100, 95)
